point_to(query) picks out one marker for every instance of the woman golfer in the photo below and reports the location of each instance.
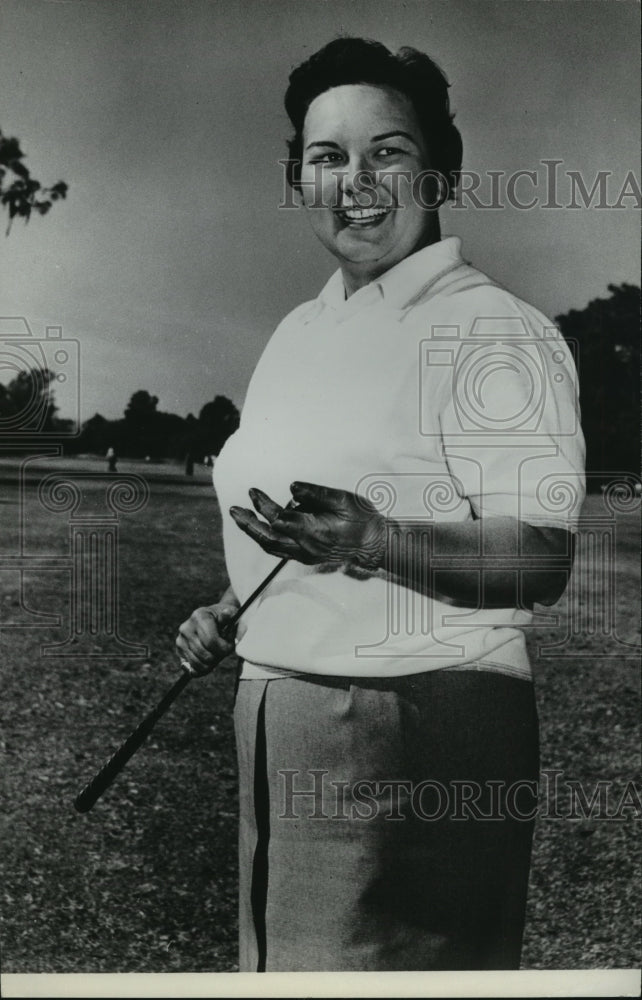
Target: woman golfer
(424, 421)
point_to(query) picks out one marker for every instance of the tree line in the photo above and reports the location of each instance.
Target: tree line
(605, 337)
(144, 431)
(28, 408)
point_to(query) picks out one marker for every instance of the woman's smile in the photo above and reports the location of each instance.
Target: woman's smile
(362, 218)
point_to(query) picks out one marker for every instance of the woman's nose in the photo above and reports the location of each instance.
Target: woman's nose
(356, 177)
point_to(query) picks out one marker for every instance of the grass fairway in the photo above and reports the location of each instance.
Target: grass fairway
(146, 882)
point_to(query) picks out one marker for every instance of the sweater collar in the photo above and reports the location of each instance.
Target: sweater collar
(401, 283)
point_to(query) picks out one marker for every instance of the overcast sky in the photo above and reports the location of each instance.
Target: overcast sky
(170, 260)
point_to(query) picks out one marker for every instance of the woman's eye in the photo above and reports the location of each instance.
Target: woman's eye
(388, 152)
(329, 157)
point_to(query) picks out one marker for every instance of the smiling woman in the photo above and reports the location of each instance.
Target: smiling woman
(419, 416)
(357, 182)
(361, 154)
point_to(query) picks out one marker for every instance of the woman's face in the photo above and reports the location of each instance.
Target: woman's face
(362, 148)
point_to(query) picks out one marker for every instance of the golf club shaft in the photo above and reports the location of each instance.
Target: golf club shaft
(107, 774)
(103, 779)
(228, 626)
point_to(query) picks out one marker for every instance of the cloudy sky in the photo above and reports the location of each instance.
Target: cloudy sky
(171, 262)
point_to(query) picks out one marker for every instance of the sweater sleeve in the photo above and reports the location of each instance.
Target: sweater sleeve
(510, 418)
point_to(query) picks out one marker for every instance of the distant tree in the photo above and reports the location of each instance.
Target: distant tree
(188, 442)
(96, 435)
(607, 333)
(27, 402)
(217, 421)
(21, 194)
(141, 407)
(139, 430)
(168, 430)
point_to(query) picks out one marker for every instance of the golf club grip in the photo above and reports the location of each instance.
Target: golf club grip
(101, 781)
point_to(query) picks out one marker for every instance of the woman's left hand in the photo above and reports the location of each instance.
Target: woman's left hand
(326, 526)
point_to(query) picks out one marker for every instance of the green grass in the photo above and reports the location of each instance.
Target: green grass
(146, 882)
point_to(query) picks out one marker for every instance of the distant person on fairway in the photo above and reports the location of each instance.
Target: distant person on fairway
(111, 460)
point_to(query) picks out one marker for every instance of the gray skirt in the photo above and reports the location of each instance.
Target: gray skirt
(385, 825)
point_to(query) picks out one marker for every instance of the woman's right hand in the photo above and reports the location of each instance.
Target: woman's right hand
(200, 641)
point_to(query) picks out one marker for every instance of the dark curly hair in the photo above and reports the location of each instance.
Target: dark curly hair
(360, 60)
